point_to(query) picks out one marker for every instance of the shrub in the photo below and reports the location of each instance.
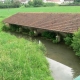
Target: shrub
(55, 41)
(31, 33)
(68, 39)
(21, 59)
(76, 42)
(25, 30)
(5, 28)
(1, 26)
(48, 4)
(71, 4)
(37, 3)
(15, 4)
(48, 35)
(26, 5)
(30, 3)
(13, 27)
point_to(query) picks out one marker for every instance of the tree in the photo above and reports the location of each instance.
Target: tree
(76, 0)
(37, 3)
(76, 42)
(16, 4)
(30, 3)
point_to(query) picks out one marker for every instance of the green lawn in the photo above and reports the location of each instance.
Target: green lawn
(57, 9)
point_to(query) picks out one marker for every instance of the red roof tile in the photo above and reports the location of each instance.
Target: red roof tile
(62, 22)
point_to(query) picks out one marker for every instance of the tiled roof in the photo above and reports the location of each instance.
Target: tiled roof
(61, 22)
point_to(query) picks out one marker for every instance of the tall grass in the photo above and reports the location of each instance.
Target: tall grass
(21, 59)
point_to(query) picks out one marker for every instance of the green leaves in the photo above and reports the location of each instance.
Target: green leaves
(68, 39)
(76, 42)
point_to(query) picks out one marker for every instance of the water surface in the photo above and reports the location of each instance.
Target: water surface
(59, 52)
(63, 54)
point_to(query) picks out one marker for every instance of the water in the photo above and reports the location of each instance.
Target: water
(63, 54)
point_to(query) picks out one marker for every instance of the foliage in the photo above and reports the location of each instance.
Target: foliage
(34, 3)
(76, 0)
(25, 30)
(30, 3)
(31, 33)
(8, 4)
(68, 39)
(48, 35)
(26, 5)
(55, 41)
(5, 28)
(13, 27)
(76, 42)
(17, 4)
(37, 3)
(75, 3)
(1, 26)
(49, 4)
(21, 59)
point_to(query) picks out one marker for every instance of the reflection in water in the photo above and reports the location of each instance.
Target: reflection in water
(62, 54)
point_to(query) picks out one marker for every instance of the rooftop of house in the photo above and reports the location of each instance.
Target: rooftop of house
(60, 22)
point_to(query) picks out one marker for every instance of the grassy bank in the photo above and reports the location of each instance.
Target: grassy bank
(21, 59)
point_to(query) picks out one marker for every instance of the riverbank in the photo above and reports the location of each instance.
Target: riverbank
(22, 59)
(63, 54)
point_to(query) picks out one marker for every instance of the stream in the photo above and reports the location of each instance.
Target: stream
(63, 54)
(60, 53)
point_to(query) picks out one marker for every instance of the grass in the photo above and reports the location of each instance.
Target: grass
(57, 9)
(21, 59)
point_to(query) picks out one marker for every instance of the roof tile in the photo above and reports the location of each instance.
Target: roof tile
(62, 22)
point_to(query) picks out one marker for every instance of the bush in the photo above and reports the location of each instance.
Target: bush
(76, 42)
(71, 4)
(37, 3)
(26, 5)
(48, 4)
(30, 3)
(15, 4)
(21, 59)
(25, 30)
(5, 28)
(68, 39)
(31, 33)
(48, 35)
(13, 27)
(55, 41)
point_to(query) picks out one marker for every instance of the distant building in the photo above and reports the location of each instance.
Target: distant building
(2, 1)
(24, 1)
(68, 1)
(46, 1)
(59, 1)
